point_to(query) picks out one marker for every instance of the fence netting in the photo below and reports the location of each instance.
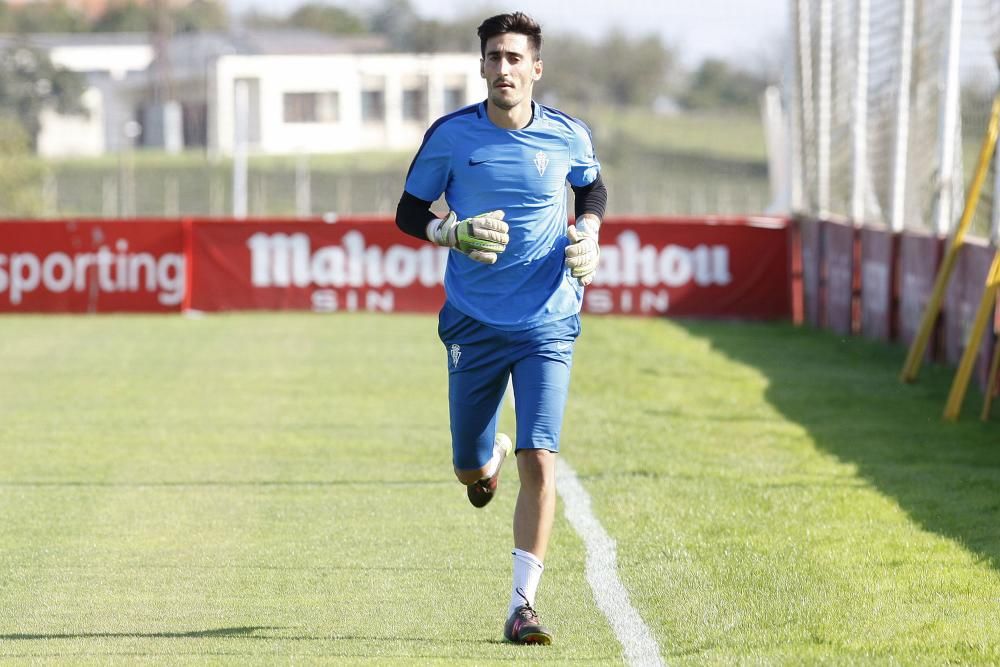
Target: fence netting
(878, 140)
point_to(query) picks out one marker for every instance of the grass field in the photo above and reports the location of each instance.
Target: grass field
(277, 488)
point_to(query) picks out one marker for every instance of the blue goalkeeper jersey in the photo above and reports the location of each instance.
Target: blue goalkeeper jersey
(480, 168)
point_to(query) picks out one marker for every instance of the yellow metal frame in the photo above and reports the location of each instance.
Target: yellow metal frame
(984, 314)
(915, 355)
(991, 383)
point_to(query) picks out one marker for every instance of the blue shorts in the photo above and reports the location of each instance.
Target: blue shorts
(480, 361)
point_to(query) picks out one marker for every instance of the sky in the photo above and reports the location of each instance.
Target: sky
(730, 29)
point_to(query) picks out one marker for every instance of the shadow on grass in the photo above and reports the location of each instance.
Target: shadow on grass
(845, 391)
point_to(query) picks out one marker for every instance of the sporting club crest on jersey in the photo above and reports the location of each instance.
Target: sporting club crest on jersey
(541, 162)
(456, 352)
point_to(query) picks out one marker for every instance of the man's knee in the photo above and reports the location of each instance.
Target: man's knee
(536, 467)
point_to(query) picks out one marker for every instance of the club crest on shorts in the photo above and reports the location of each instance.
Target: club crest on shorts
(456, 353)
(541, 162)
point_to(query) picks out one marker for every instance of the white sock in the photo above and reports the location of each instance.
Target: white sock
(527, 574)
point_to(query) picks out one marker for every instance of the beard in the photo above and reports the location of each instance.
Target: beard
(505, 103)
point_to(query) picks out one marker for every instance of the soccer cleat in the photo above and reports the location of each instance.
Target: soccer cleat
(524, 626)
(482, 492)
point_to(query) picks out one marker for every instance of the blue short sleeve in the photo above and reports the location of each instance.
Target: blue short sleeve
(584, 167)
(428, 175)
(479, 166)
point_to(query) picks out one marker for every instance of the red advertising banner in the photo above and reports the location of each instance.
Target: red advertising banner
(812, 257)
(695, 267)
(350, 265)
(91, 266)
(838, 246)
(918, 259)
(727, 268)
(876, 283)
(709, 268)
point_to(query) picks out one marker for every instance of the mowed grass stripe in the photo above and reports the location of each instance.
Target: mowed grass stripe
(258, 486)
(777, 496)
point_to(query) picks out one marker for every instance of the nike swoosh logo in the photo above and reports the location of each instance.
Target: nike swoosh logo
(473, 163)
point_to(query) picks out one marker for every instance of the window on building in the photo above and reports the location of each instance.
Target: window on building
(373, 106)
(454, 98)
(321, 107)
(415, 104)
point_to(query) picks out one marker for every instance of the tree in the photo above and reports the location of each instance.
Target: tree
(313, 16)
(197, 16)
(618, 71)
(395, 19)
(718, 85)
(326, 18)
(634, 71)
(407, 32)
(430, 36)
(29, 82)
(20, 175)
(127, 17)
(40, 17)
(200, 16)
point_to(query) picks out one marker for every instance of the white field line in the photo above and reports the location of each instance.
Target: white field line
(602, 572)
(641, 649)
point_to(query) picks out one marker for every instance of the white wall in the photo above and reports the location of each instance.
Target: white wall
(115, 60)
(344, 74)
(74, 135)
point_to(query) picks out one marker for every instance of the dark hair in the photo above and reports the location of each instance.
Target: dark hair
(519, 23)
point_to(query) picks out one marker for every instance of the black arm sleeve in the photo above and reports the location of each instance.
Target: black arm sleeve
(413, 214)
(591, 198)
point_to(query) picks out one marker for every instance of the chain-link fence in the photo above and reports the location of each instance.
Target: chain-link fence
(206, 190)
(646, 183)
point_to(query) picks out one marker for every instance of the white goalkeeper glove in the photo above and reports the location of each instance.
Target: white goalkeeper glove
(583, 253)
(482, 237)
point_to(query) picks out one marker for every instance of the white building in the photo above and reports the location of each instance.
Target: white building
(305, 92)
(337, 103)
